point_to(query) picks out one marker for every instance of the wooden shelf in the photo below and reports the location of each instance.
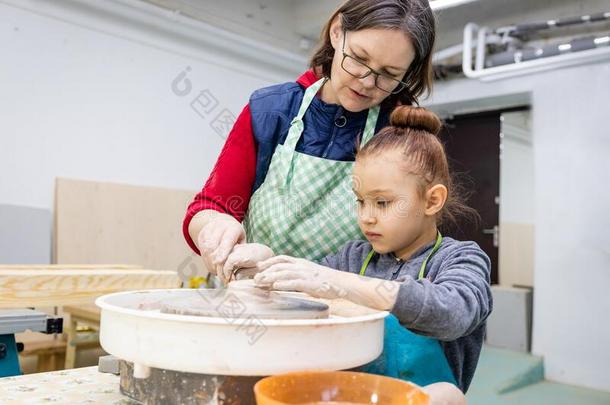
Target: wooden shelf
(45, 286)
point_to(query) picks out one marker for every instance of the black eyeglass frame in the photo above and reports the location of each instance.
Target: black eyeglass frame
(400, 85)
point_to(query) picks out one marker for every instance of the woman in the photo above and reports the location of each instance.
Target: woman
(285, 170)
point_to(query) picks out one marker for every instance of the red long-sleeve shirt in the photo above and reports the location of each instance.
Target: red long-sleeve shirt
(229, 186)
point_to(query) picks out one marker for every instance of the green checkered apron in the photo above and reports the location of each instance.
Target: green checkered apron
(305, 207)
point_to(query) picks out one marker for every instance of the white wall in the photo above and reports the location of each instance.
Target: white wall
(25, 235)
(87, 93)
(571, 140)
(517, 201)
(517, 168)
(268, 21)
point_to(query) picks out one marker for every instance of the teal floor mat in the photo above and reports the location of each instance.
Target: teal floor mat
(507, 377)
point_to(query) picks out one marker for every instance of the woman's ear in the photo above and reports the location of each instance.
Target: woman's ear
(336, 32)
(436, 197)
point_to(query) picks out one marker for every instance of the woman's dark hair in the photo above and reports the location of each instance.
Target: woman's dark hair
(413, 17)
(414, 131)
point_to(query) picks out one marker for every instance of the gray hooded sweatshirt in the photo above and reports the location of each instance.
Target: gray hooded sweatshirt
(451, 303)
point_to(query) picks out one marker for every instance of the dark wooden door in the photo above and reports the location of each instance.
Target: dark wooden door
(472, 143)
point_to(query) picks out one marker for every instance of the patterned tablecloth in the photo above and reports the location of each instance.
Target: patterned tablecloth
(77, 386)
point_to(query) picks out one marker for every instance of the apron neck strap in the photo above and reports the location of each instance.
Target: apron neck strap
(297, 126)
(422, 269)
(437, 245)
(371, 122)
(310, 94)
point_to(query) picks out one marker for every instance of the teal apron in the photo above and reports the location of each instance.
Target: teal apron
(406, 355)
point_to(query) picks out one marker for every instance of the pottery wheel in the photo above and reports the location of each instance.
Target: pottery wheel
(242, 300)
(134, 328)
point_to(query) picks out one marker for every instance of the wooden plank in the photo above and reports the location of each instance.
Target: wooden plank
(37, 339)
(68, 266)
(48, 360)
(36, 346)
(30, 288)
(84, 312)
(104, 222)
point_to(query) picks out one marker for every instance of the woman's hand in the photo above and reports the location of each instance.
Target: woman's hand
(216, 234)
(245, 257)
(291, 274)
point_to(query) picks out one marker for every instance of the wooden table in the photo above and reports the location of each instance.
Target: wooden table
(73, 287)
(75, 387)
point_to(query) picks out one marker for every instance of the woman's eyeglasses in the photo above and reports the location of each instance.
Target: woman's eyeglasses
(360, 70)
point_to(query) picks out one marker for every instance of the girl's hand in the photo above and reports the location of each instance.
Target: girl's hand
(217, 238)
(291, 274)
(444, 393)
(245, 256)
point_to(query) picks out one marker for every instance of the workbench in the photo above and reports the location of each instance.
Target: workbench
(73, 287)
(77, 386)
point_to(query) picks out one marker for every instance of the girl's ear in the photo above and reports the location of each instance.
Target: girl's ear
(336, 32)
(436, 197)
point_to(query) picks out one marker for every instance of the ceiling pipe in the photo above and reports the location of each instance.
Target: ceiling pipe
(599, 53)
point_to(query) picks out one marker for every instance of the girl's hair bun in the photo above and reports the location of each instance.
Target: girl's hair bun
(406, 116)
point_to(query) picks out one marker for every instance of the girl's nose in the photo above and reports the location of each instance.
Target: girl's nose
(370, 220)
(367, 215)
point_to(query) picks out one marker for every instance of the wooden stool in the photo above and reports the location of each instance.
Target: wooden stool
(85, 315)
(49, 352)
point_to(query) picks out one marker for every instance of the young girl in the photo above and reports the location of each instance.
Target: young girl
(436, 288)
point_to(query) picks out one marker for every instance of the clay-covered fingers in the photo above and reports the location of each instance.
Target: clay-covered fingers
(256, 253)
(226, 271)
(243, 273)
(208, 240)
(264, 265)
(295, 281)
(235, 260)
(245, 256)
(300, 285)
(278, 272)
(250, 254)
(217, 239)
(232, 235)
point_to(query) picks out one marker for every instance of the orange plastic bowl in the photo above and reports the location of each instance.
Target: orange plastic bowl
(338, 388)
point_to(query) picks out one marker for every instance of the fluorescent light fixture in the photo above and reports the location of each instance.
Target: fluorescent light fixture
(602, 40)
(443, 4)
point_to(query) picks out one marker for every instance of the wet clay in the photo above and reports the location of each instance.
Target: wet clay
(243, 300)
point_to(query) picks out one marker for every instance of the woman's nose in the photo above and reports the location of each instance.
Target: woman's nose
(369, 81)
